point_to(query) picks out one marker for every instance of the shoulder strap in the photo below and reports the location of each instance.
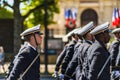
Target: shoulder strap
(103, 67)
(38, 50)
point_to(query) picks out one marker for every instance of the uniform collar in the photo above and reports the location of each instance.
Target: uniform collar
(101, 43)
(90, 41)
(31, 46)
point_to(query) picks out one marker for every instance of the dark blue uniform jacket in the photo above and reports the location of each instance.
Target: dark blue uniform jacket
(74, 62)
(60, 58)
(68, 56)
(23, 59)
(114, 50)
(98, 54)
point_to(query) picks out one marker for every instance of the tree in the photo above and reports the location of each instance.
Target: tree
(4, 13)
(33, 8)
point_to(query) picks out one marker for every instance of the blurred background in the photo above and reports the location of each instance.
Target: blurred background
(57, 18)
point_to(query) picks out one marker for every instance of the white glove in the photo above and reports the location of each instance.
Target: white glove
(71, 79)
(115, 74)
(61, 76)
(55, 74)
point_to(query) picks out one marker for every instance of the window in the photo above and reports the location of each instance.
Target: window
(85, 18)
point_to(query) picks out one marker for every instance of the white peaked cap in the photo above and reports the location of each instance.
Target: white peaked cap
(101, 28)
(88, 27)
(71, 32)
(65, 39)
(116, 30)
(31, 30)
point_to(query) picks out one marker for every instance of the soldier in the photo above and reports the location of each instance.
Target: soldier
(69, 53)
(79, 42)
(98, 54)
(80, 54)
(23, 67)
(115, 50)
(60, 58)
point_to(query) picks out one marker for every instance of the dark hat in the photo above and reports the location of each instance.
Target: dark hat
(86, 28)
(116, 30)
(100, 28)
(33, 30)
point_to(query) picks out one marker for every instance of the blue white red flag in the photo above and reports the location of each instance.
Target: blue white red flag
(74, 15)
(116, 18)
(68, 13)
(70, 17)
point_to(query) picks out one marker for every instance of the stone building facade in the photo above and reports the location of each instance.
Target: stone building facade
(98, 11)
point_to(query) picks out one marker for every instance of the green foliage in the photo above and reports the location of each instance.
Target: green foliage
(28, 13)
(4, 13)
(37, 17)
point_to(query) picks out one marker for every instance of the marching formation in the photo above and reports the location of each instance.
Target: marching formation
(87, 56)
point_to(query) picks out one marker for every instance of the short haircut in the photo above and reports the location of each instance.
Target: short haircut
(27, 37)
(98, 36)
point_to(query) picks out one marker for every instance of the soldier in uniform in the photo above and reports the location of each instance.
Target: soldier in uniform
(69, 53)
(60, 58)
(79, 42)
(98, 55)
(62, 55)
(114, 50)
(27, 53)
(87, 40)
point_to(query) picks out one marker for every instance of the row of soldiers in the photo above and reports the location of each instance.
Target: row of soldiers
(86, 55)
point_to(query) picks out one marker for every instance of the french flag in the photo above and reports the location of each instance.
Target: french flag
(70, 17)
(116, 18)
(68, 13)
(74, 15)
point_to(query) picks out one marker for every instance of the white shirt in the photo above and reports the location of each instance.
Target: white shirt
(28, 44)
